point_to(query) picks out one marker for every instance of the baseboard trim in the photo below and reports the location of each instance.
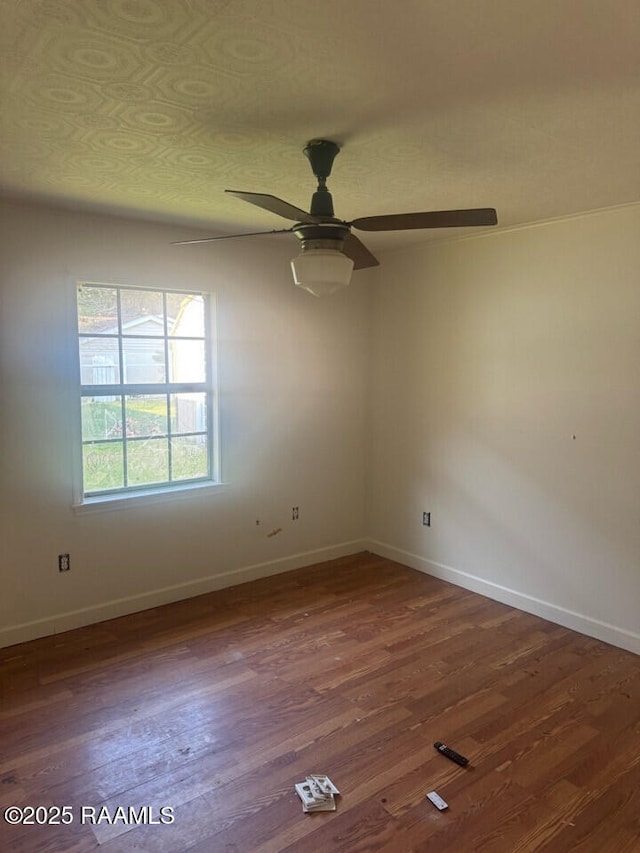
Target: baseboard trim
(611, 634)
(133, 604)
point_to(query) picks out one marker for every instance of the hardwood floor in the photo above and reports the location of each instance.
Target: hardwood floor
(216, 706)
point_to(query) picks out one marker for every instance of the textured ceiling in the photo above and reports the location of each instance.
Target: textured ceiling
(154, 107)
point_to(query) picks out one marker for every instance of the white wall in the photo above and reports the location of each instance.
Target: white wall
(507, 402)
(485, 357)
(292, 374)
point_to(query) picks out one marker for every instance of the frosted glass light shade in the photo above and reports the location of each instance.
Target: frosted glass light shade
(321, 271)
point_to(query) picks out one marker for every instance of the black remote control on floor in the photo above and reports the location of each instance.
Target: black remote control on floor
(454, 756)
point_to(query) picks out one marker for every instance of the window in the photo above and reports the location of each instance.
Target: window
(146, 396)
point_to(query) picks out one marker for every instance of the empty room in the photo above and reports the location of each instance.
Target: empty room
(319, 426)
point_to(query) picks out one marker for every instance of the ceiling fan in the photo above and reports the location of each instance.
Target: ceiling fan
(329, 250)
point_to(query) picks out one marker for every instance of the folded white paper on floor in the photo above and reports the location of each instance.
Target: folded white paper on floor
(317, 793)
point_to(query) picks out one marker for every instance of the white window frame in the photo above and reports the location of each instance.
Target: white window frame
(157, 492)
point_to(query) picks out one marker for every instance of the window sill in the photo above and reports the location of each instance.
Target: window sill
(146, 497)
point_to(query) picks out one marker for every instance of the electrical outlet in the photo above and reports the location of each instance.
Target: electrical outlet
(64, 562)
(426, 519)
(295, 513)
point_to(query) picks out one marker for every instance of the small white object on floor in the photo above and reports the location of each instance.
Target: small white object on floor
(317, 793)
(437, 801)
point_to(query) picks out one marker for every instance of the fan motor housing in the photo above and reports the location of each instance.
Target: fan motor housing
(329, 235)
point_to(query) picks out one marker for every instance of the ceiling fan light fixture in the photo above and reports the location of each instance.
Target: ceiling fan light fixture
(321, 270)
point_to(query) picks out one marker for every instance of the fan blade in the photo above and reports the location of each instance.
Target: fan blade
(275, 205)
(359, 254)
(431, 219)
(231, 236)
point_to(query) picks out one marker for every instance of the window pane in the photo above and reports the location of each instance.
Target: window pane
(142, 312)
(148, 461)
(146, 415)
(186, 361)
(189, 457)
(186, 315)
(143, 360)
(103, 467)
(97, 309)
(101, 418)
(188, 413)
(135, 340)
(99, 361)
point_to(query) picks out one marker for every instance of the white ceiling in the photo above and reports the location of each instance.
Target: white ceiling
(154, 107)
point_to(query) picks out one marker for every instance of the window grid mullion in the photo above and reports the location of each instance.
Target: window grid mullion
(125, 439)
(169, 441)
(121, 383)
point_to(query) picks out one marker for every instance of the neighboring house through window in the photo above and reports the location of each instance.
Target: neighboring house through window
(147, 405)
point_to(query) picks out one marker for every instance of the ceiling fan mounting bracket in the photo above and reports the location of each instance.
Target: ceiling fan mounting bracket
(321, 154)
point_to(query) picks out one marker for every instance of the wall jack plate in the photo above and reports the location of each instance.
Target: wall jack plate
(426, 519)
(64, 562)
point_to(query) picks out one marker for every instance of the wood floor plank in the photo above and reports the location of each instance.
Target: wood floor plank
(217, 705)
